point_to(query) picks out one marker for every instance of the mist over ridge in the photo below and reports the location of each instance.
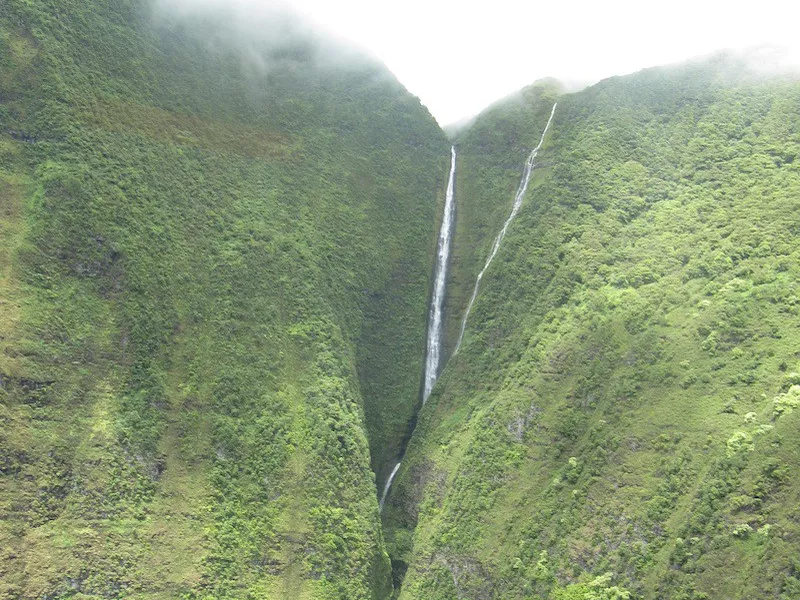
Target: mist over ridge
(265, 33)
(273, 24)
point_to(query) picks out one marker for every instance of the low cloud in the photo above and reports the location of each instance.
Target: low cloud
(263, 32)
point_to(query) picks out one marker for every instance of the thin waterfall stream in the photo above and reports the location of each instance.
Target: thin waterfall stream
(433, 348)
(523, 187)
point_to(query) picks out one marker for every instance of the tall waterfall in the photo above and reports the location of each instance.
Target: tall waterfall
(433, 349)
(523, 187)
(433, 353)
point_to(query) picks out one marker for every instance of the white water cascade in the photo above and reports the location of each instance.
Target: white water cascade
(387, 486)
(433, 352)
(433, 349)
(523, 187)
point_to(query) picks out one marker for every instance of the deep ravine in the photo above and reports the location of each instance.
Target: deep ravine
(434, 349)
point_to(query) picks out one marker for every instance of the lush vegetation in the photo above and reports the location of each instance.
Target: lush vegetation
(214, 262)
(489, 169)
(216, 239)
(621, 420)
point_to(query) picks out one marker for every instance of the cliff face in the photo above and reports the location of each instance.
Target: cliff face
(215, 257)
(622, 400)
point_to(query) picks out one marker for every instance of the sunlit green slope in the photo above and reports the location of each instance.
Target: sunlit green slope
(622, 419)
(214, 260)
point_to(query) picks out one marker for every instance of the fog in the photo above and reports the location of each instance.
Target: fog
(459, 57)
(264, 32)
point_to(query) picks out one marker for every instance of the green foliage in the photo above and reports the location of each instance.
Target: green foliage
(214, 269)
(623, 401)
(787, 402)
(594, 590)
(215, 277)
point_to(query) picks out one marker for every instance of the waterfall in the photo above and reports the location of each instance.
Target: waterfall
(433, 349)
(523, 187)
(387, 486)
(433, 353)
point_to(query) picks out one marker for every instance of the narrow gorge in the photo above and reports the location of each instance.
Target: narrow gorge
(435, 336)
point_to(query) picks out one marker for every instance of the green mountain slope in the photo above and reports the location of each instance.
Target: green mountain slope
(214, 264)
(489, 169)
(621, 420)
(216, 239)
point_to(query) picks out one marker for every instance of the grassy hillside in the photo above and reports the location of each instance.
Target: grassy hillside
(214, 262)
(622, 418)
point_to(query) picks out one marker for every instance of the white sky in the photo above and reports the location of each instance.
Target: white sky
(460, 56)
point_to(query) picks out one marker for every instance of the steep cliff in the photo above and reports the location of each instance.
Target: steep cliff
(621, 417)
(215, 250)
